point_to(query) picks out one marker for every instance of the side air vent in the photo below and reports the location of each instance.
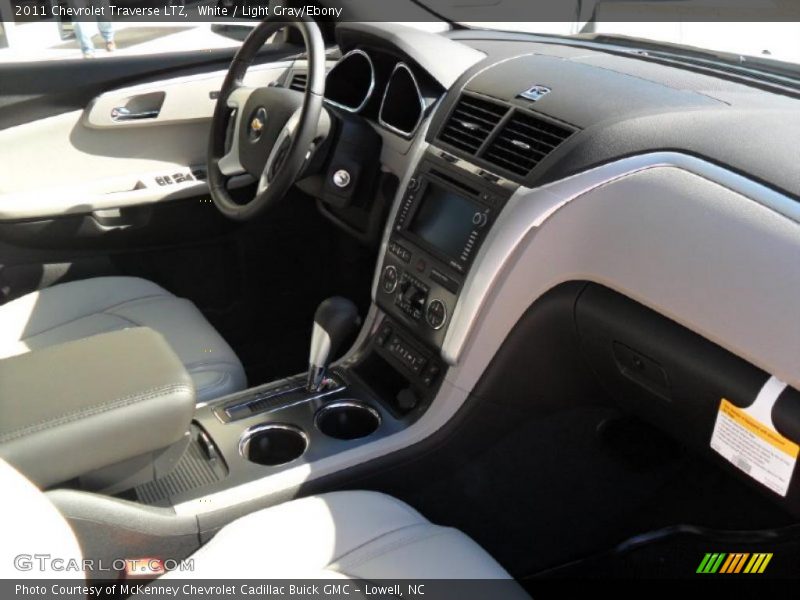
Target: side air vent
(523, 142)
(471, 122)
(299, 81)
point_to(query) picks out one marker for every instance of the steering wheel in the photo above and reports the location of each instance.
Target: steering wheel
(264, 131)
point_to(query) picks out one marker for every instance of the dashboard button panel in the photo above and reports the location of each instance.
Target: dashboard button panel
(399, 251)
(444, 215)
(407, 354)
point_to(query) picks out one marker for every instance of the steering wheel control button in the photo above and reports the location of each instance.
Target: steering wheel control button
(258, 121)
(436, 313)
(342, 178)
(389, 279)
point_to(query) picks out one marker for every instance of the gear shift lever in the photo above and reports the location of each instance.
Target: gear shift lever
(335, 322)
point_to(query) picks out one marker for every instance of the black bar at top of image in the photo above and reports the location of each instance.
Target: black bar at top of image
(473, 11)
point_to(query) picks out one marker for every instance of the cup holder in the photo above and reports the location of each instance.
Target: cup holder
(347, 420)
(273, 444)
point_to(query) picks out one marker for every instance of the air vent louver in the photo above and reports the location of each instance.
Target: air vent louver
(523, 142)
(471, 122)
(299, 81)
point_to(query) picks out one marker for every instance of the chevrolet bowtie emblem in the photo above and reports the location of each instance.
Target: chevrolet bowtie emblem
(258, 121)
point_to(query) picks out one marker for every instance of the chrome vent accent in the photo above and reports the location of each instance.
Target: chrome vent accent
(299, 81)
(524, 141)
(472, 121)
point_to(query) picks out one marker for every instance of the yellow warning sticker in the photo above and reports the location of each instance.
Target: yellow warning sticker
(754, 447)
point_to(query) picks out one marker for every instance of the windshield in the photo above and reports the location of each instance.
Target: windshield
(768, 29)
(778, 41)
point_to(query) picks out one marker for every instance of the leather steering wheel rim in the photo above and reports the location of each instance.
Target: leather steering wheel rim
(300, 133)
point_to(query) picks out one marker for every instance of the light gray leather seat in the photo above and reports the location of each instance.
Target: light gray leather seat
(79, 309)
(355, 534)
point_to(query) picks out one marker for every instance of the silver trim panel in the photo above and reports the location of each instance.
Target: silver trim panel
(529, 208)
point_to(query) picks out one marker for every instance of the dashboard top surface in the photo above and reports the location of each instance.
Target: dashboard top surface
(624, 106)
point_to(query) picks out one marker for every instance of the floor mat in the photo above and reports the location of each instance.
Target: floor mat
(694, 552)
(554, 491)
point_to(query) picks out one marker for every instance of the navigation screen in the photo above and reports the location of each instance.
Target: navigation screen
(444, 220)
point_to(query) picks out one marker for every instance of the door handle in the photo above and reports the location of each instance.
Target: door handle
(122, 113)
(146, 106)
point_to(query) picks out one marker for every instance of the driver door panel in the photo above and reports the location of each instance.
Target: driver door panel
(83, 194)
(129, 146)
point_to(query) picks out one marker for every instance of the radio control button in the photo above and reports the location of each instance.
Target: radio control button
(436, 313)
(480, 219)
(400, 252)
(389, 279)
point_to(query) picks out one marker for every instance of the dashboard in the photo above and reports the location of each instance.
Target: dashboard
(547, 163)
(504, 116)
(507, 117)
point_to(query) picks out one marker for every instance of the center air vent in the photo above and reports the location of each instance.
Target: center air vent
(471, 122)
(523, 142)
(299, 81)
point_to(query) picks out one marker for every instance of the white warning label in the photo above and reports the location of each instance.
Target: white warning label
(754, 447)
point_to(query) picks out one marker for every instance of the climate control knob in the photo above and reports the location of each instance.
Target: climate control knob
(389, 279)
(436, 313)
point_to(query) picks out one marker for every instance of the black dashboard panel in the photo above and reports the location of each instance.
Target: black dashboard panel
(581, 94)
(626, 105)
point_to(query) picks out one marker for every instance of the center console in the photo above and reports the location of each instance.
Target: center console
(447, 209)
(391, 377)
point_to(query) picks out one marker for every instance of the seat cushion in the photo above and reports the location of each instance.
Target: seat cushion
(31, 527)
(354, 534)
(79, 309)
